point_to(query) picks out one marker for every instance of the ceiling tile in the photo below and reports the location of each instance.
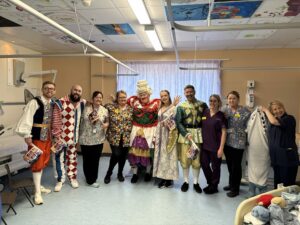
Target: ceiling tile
(128, 14)
(157, 13)
(65, 17)
(262, 20)
(125, 38)
(229, 21)
(220, 35)
(95, 4)
(47, 5)
(255, 34)
(103, 16)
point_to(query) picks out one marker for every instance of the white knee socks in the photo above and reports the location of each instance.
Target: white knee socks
(37, 176)
(134, 170)
(186, 175)
(196, 173)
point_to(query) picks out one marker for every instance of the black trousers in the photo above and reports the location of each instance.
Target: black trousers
(91, 156)
(118, 155)
(211, 166)
(285, 174)
(234, 164)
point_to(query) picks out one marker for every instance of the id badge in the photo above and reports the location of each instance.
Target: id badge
(94, 131)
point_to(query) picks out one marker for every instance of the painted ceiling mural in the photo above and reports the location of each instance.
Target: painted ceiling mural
(187, 12)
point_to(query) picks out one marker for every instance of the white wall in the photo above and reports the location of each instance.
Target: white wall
(12, 93)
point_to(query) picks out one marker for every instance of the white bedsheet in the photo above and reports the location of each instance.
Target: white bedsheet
(11, 144)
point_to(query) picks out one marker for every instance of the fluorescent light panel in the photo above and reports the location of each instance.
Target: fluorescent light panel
(140, 11)
(153, 37)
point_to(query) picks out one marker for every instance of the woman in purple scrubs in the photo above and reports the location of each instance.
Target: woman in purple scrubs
(214, 137)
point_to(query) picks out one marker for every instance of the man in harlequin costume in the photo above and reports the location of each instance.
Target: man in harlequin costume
(34, 127)
(145, 115)
(65, 128)
(188, 122)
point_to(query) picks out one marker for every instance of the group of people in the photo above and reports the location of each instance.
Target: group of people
(153, 135)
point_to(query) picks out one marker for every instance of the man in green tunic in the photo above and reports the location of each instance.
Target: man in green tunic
(188, 122)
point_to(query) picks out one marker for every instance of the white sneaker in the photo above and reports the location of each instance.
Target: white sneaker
(95, 185)
(58, 186)
(74, 183)
(45, 190)
(38, 200)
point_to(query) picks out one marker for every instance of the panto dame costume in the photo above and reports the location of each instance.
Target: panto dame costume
(35, 123)
(165, 165)
(258, 153)
(188, 121)
(143, 129)
(65, 126)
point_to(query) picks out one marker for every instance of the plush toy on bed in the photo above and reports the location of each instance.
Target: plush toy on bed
(264, 200)
(276, 211)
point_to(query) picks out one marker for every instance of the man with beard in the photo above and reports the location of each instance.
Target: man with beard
(65, 129)
(34, 127)
(188, 122)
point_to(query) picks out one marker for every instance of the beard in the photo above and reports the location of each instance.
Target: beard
(75, 97)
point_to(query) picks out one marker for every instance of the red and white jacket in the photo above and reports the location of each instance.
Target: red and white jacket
(66, 120)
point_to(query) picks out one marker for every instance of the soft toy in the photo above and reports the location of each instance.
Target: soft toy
(251, 220)
(279, 201)
(276, 211)
(264, 200)
(261, 213)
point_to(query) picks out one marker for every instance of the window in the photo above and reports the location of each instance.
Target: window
(166, 75)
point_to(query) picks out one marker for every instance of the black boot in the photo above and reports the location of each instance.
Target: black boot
(107, 178)
(134, 178)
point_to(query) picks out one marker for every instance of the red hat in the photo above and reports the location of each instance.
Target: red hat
(264, 200)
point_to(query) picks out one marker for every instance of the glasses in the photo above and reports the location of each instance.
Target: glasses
(49, 89)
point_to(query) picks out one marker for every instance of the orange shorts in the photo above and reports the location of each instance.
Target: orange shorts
(43, 160)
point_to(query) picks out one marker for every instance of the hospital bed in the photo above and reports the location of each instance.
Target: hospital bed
(12, 149)
(247, 205)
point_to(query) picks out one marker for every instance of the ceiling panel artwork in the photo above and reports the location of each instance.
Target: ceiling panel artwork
(115, 29)
(112, 26)
(190, 12)
(278, 8)
(232, 10)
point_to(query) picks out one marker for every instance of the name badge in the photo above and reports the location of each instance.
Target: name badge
(94, 131)
(237, 115)
(204, 118)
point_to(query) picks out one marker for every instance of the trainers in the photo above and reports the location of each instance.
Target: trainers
(121, 178)
(147, 177)
(45, 190)
(58, 186)
(197, 188)
(169, 183)
(226, 188)
(107, 179)
(134, 178)
(95, 185)
(184, 187)
(161, 184)
(38, 199)
(232, 194)
(74, 183)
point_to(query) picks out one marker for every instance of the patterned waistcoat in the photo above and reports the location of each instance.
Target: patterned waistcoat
(41, 121)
